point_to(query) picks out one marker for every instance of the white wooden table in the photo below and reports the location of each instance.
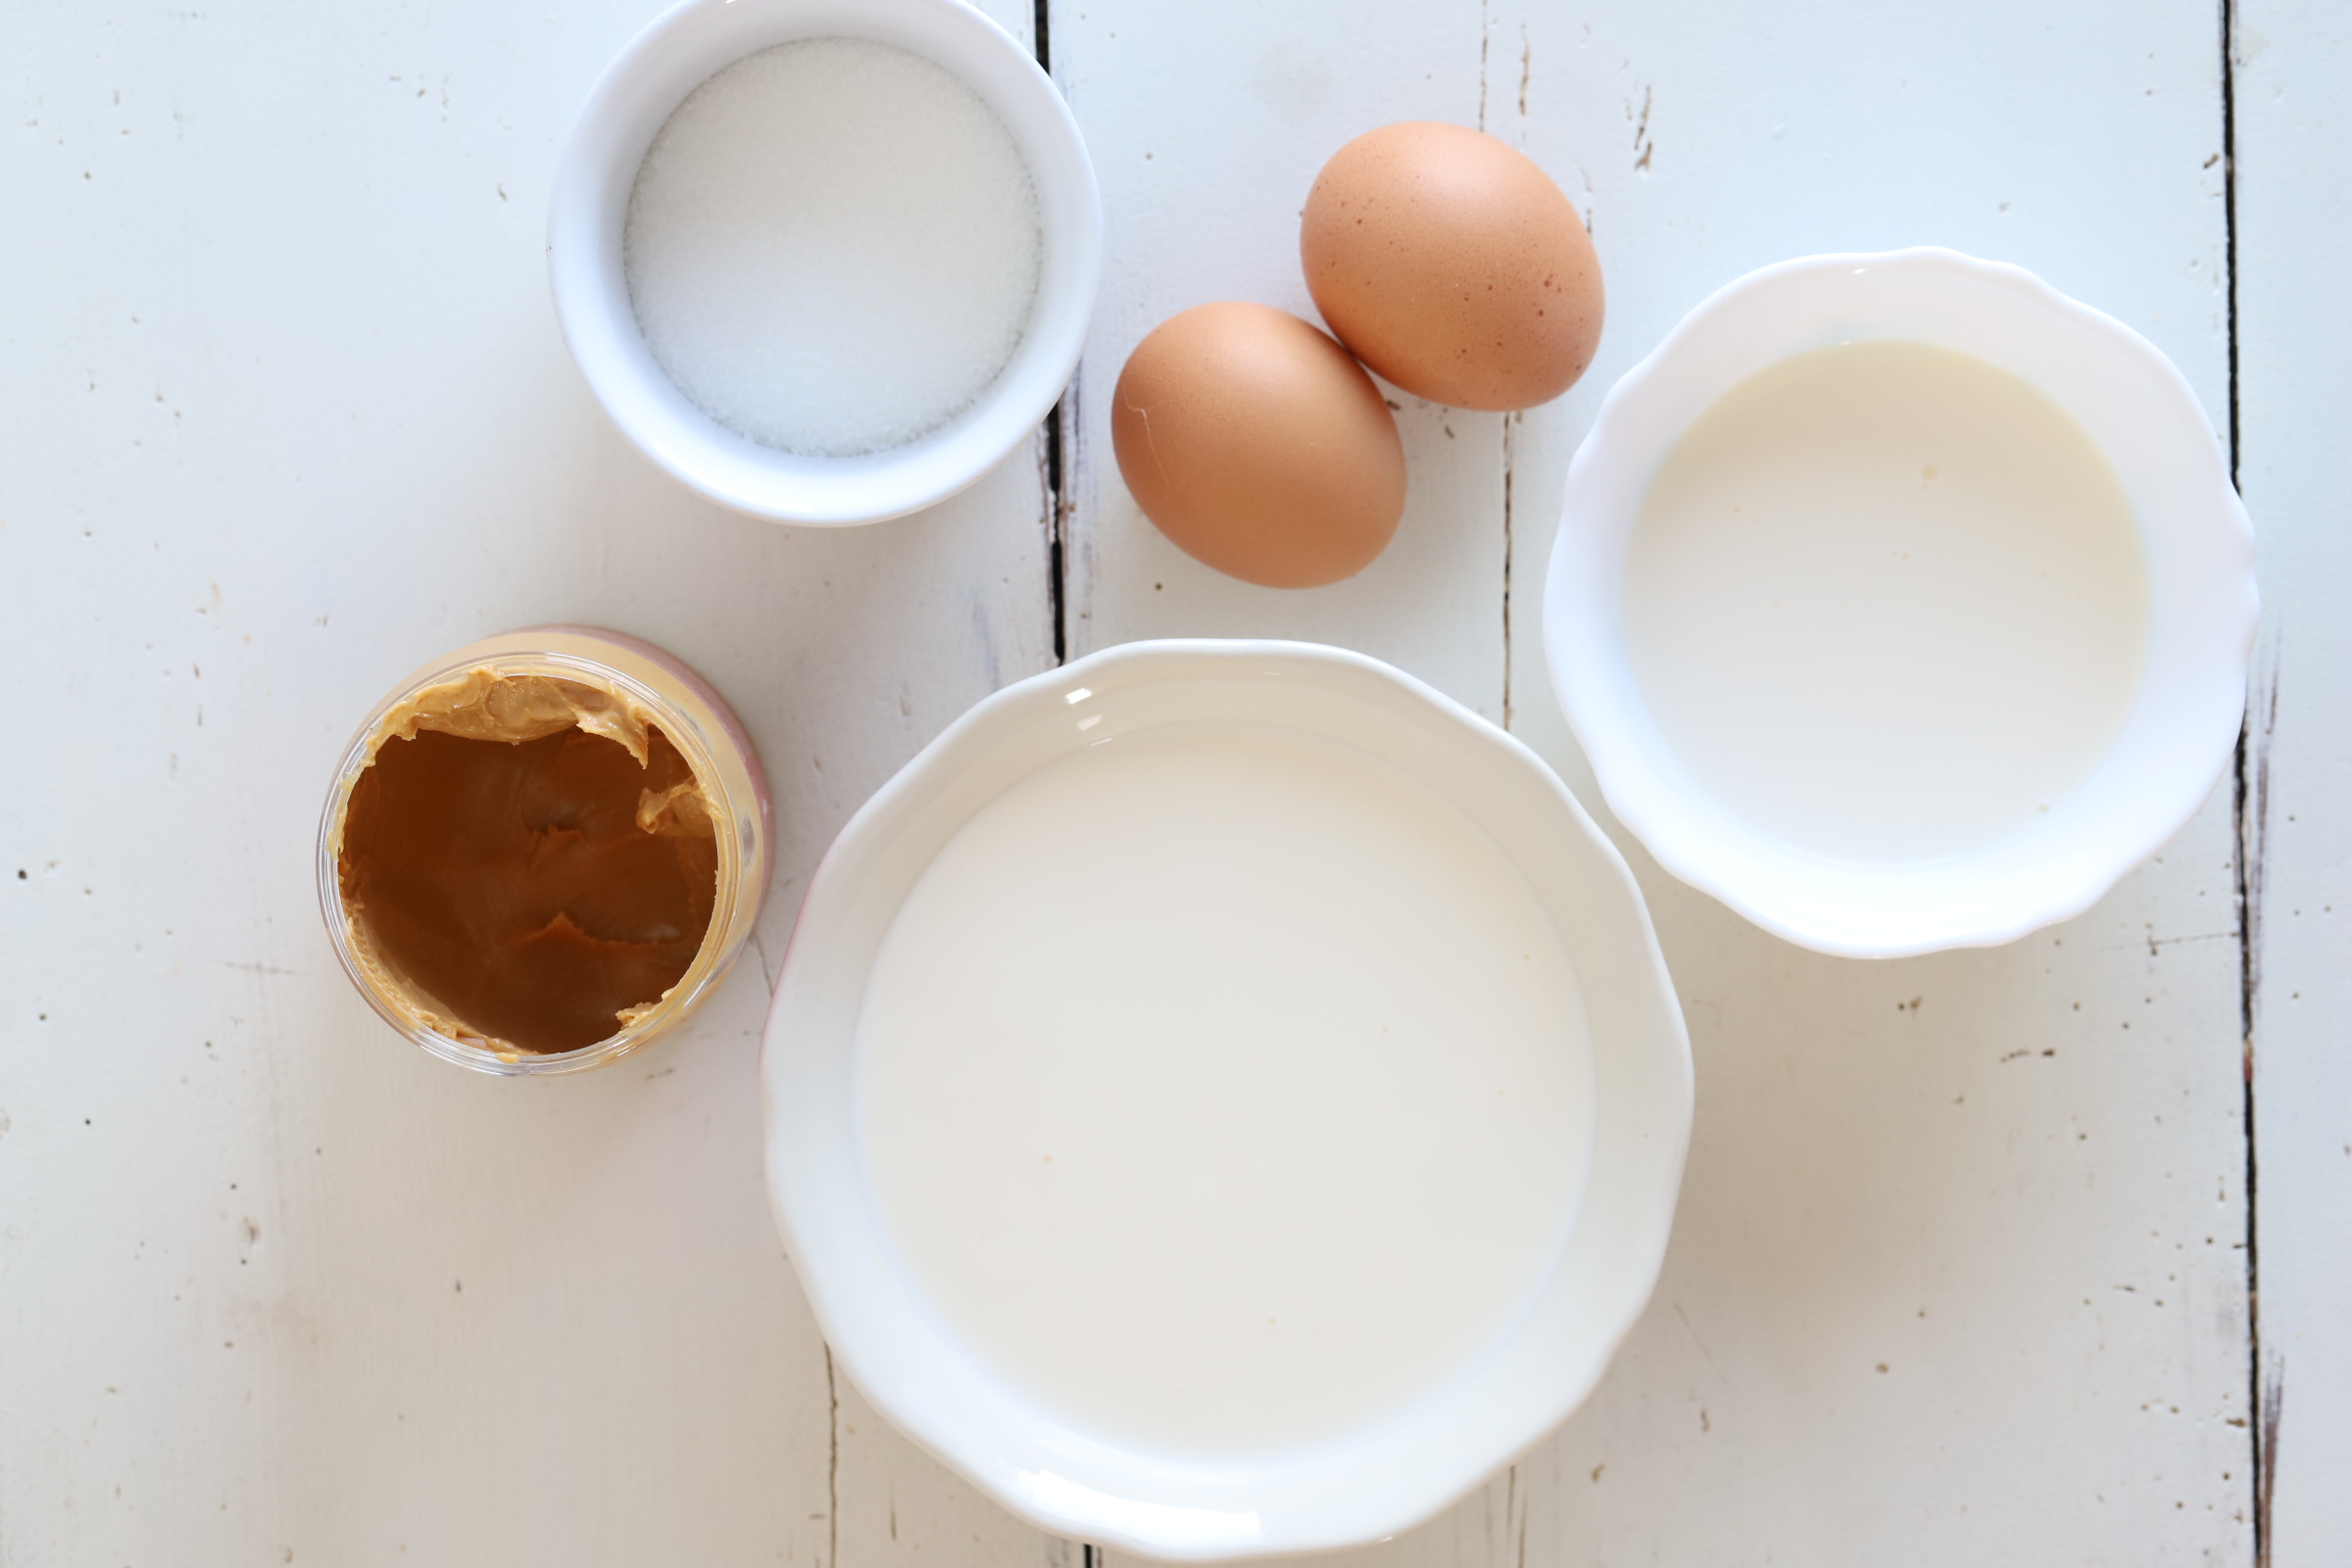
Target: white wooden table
(1965, 1263)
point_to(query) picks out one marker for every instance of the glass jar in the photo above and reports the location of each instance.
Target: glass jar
(526, 685)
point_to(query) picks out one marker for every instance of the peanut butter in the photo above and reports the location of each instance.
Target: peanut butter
(528, 863)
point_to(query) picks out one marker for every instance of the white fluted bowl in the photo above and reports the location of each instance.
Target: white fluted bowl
(2180, 731)
(978, 1416)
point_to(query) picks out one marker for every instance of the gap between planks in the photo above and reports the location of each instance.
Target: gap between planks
(1055, 481)
(2250, 811)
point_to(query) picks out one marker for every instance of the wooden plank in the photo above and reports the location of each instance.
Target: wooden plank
(289, 413)
(2294, 123)
(1981, 1171)
(893, 1502)
(1959, 1273)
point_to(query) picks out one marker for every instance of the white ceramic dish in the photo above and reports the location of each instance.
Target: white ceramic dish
(589, 205)
(1355, 1485)
(2178, 735)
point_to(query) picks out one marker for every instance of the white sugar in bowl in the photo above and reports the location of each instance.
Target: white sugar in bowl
(826, 262)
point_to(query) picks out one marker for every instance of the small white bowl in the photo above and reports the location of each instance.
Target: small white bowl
(589, 205)
(2180, 730)
(1373, 1481)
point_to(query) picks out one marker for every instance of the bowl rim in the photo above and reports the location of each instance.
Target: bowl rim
(1069, 1508)
(1594, 703)
(598, 325)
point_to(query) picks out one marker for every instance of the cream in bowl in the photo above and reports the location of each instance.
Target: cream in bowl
(1062, 1018)
(1901, 602)
(1224, 1099)
(825, 261)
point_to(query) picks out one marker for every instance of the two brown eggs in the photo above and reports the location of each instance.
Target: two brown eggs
(1442, 259)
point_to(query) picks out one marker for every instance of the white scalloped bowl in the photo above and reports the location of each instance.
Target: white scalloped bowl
(589, 205)
(1372, 1482)
(2180, 731)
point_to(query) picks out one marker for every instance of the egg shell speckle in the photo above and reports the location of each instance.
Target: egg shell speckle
(1258, 446)
(1451, 264)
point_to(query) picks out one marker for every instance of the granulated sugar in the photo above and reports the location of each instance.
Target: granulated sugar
(832, 246)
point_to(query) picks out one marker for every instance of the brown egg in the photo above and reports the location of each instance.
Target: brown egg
(1451, 263)
(1258, 446)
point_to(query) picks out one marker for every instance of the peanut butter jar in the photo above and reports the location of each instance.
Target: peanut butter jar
(544, 850)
